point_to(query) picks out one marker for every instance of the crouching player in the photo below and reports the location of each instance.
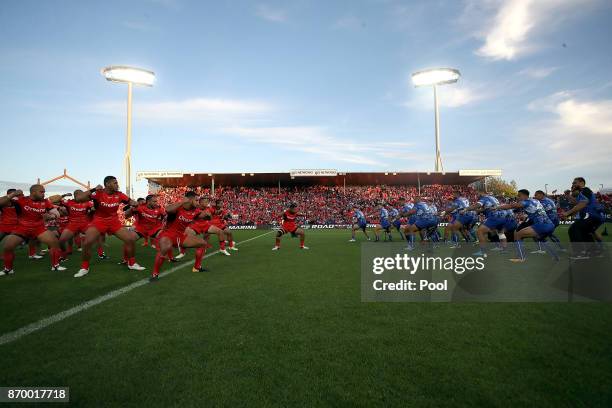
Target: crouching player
(424, 221)
(148, 223)
(384, 225)
(541, 226)
(177, 233)
(461, 220)
(78, 210)
(495, 221)
(219, 226)
(289, 226)
(32, 211)
(359, 223)
(106, 200)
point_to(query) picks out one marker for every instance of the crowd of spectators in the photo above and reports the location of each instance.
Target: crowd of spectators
(319, 204)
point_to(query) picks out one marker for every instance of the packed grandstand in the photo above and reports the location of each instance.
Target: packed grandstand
(329, 205)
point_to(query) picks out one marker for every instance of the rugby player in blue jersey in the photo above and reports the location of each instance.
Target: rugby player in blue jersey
(359, 223)
(583, 230)
(495, 221)
(551, 210)
(424, 220)
(395, 215)
(460, 219)
(405, 208)
(540, 226)
(384, 225)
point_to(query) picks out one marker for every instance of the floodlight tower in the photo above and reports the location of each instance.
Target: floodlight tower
(434, 77)
(132, 76)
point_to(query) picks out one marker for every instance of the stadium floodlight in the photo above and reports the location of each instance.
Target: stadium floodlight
(434, 77)
(131, 76)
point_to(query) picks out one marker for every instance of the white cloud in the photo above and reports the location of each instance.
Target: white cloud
(537, 73)
(188, 109)
(513, 27)
(579, 134)
(271, 14)
(318, 141)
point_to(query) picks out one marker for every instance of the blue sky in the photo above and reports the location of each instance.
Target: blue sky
(272, 86)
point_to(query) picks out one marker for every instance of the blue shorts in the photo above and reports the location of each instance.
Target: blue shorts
(385, 224)
(510, 224)
(495, 223)
(426, 223)
(454, 218)
(466, 220)
(543, 229)
(362, 225)
(412, 220)
(397, 224)
(555, 222)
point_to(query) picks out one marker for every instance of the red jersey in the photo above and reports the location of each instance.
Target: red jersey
(78, 211)
(106, 205)
(148, 218)
(181, 219)
(218, 215)
(8, 216)
(289, 218)
(30, 213)
(63, 221)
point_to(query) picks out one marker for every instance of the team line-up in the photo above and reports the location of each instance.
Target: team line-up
(91, 215)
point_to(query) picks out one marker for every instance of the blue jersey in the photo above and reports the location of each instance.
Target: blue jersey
(384, 216)
(433, 209)
(593, 208)
(490, 204)
(406, 207)
(550, 207)
(394, 213)
(459, 204)
(360, 217)
(535, 211)
(423, 211)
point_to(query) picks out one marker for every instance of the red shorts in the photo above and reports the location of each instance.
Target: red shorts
(8, 228)
(29, 232)
(177, 238)
(77, 227)
(106, 226)
(147, 232)
(219, 224)
(289, 228)
(200, 227)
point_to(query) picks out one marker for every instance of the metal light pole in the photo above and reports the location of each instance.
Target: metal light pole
(438, 166)
(132, 76)
(128, 144)
(434, 77)
(546, 188)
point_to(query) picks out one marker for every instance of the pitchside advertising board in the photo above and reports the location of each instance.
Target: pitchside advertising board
(338, 226)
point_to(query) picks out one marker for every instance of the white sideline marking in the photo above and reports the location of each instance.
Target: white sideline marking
(58, 317)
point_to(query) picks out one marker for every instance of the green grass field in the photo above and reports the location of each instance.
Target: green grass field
(285, 328)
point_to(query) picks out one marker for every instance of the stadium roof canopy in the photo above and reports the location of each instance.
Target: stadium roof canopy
(315, 177)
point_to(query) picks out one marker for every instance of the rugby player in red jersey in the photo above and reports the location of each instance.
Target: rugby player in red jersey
(32, 211)
(8, 218)
(177, 233)
(77, 212)
(289, 226)
(149, 219)
(106, 201)
(219, 226)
